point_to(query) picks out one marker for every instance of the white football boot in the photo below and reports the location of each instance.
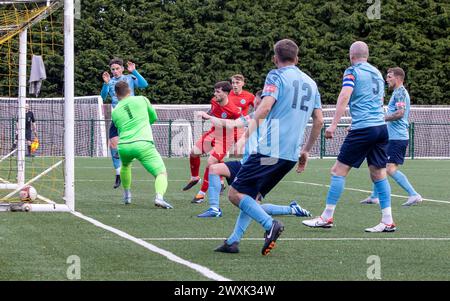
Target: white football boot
(382, 227)
(162, 204)
(413, 200)
(318, 222)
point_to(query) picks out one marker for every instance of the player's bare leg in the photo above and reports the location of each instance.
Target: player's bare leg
(116, 160)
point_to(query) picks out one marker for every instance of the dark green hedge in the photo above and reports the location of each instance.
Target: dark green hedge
(183, 47)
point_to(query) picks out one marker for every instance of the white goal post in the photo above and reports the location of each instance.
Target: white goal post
(69, 116)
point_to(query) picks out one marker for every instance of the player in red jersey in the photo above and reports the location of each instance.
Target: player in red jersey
(242, 99)
(217, 141)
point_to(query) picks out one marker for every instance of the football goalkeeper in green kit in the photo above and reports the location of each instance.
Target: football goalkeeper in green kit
(133, 117)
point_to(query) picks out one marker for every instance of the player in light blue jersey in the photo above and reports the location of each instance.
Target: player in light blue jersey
(134, 80)
(363, 90)
(398, 126)
(290, 98)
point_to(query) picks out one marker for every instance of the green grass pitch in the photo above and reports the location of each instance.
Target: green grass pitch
(35, 246)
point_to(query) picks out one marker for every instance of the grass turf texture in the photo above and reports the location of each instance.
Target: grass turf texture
(35, 246)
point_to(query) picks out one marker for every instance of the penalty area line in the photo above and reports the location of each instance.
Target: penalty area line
(304, 238)
(172, 257)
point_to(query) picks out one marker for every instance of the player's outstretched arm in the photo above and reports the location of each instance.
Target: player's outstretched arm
(105, 88)
(227, 123)
(202, 114)
(140, 81)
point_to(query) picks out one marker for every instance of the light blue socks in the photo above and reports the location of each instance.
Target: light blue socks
(214, 190)
(336, 188)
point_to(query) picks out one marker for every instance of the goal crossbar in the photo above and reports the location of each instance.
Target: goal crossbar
(26, 20)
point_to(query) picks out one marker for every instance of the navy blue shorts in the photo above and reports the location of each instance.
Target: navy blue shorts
(260, 174)
(396, 151)
(113, 132)
(370, 143)
(234, 167)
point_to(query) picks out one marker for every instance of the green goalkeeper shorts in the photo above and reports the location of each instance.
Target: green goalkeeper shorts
(145, 152)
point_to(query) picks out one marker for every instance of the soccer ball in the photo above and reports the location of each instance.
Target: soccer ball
(28, 194)
(26, 207)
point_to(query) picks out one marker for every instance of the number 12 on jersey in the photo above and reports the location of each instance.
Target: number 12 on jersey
(305, 98)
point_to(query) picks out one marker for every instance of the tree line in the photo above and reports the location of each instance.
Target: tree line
(183, 47)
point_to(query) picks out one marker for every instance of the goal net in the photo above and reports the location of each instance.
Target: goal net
(37, 148)
(177, 130)
(90, 127)
(429, 130)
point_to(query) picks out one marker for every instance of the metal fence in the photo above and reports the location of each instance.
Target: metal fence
(175, 138)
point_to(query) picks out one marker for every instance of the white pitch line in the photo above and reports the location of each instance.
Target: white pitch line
(287, 181)
(367, 191)
(201, 269)
(304, 238)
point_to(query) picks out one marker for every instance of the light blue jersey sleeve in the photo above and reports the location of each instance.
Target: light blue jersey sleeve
(399, 129)
(349, 78)
(104, 92)
(139, 81)
(134, 80)
(272, 85)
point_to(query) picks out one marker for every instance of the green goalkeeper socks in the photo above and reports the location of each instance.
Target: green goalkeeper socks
(125, 176)
(161, 184)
